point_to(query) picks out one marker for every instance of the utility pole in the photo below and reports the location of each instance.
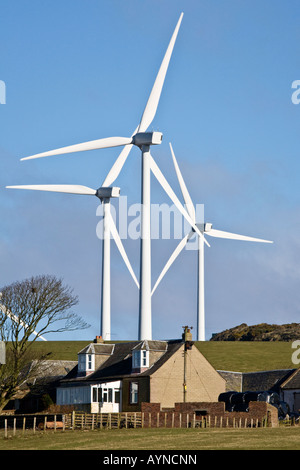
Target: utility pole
(187, 339)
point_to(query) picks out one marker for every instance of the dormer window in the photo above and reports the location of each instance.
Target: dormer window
(140, 359)
(86, 363)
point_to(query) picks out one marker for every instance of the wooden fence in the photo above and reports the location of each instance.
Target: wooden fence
(91, 421)
(80, 420)
(77, 420)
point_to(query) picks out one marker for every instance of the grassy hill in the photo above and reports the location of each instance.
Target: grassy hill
(240, 356)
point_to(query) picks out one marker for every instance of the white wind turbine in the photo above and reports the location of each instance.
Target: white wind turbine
(109, 228)
(16, 319)
(143, 140)
(208, 230)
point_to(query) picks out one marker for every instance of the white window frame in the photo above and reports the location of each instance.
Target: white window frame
(86, 362)
(140, 358)
(134, 393)
(106, 393)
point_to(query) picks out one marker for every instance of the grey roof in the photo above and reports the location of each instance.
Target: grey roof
(152, 345)
(265, 380)
(98, 348)
(292, 381)
(119, 364)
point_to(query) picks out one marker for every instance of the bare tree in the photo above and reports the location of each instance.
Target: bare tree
(29, 309)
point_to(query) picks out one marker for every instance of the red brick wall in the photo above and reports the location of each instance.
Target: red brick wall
(208, 414)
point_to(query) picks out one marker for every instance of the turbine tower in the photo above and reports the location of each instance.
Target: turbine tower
(144, 140)
(204, 228)
(109, 229)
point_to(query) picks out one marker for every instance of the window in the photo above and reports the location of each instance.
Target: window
(134, 388)
(95, 395)
(144, 358)
(86, 362)
(89, 362)
(106, 393)
(135, 359)
(140, 359)
(81, 362)
(117, 395)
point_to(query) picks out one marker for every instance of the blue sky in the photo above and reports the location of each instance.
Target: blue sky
(77, 71)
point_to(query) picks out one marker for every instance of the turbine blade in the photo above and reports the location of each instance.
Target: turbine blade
(92, 145)
(116, 236)
(186, 196)
(59, 188)
(234, 236)
(16, 319)
(171, 260)
(152, 103)
(162, 180)
(118, 165)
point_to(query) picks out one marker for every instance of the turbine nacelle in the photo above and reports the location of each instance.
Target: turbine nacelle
(205, 227)
(147, 138)
(107, 193)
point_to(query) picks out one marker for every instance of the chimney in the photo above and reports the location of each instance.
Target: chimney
(98, 340)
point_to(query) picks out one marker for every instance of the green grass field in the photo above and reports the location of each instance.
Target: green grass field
(240, 356)
(282, 438)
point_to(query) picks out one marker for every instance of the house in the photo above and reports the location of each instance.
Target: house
(121, 376)
(38, 385)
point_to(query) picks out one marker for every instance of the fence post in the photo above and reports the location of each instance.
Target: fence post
(34, 421)
(14, 431)
(5, 428)
(24, 424)
(173, 420)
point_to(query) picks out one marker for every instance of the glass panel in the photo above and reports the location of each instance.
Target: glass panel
(144, 358)
(117, 395)
(133, 392)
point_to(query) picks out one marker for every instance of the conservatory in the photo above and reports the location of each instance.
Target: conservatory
(100, 398)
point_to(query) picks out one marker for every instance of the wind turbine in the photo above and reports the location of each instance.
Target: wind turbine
(109, 228)
(144, 140)
(205, 228)
(16, 319)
